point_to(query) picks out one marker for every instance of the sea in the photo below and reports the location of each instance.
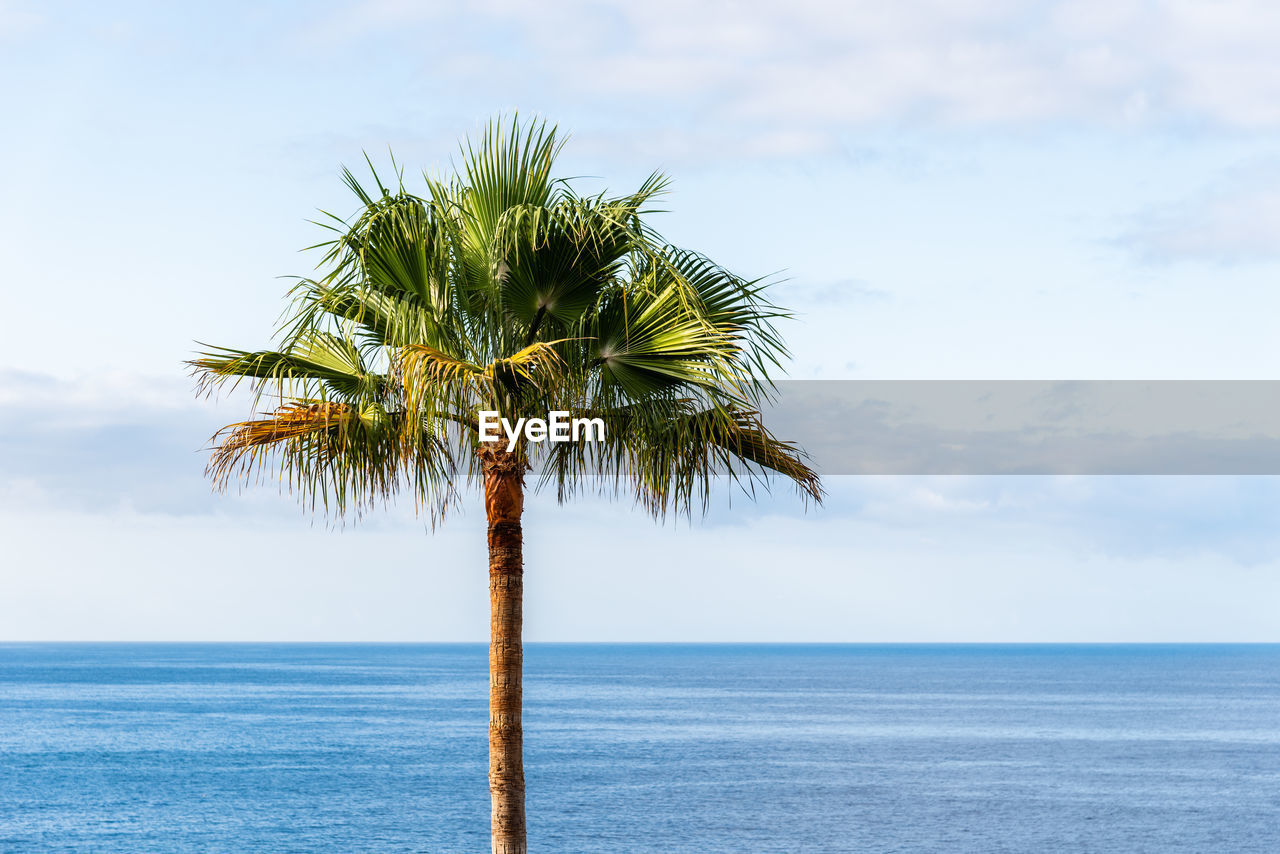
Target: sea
(643, 748)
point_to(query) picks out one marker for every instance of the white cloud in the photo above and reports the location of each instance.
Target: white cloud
(938, 560)
(94, 398)
(1235, 220)
(817, 67)
(108, 440)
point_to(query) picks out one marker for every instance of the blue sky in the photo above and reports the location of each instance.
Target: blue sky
(946, 190)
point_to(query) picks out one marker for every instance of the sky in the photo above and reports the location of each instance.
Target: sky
(960, 189)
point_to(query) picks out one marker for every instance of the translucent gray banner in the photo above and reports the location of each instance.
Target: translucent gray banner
(1031, 427)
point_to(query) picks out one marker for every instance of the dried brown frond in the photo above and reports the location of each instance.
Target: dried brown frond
(241, 447)
(420, 360)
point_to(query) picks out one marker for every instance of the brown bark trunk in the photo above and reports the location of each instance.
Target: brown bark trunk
(503, 504)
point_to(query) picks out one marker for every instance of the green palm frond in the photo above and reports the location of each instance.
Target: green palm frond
(319, 358)
(648, 343)
(667, 453)
(506, 168)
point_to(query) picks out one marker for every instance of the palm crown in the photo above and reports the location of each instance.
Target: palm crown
(503, 289)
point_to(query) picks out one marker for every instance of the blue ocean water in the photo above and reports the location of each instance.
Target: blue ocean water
(345, 748)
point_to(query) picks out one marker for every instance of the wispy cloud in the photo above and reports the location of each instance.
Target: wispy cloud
(18, 19)
(108, 444)
(102, 442)
(830, 294)
(1236, 220)
(1128, 517)
(744, 71)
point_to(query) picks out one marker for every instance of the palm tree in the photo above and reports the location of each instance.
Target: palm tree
(502, 289)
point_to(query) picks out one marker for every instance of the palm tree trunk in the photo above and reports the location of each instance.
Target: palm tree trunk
(503, 504)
